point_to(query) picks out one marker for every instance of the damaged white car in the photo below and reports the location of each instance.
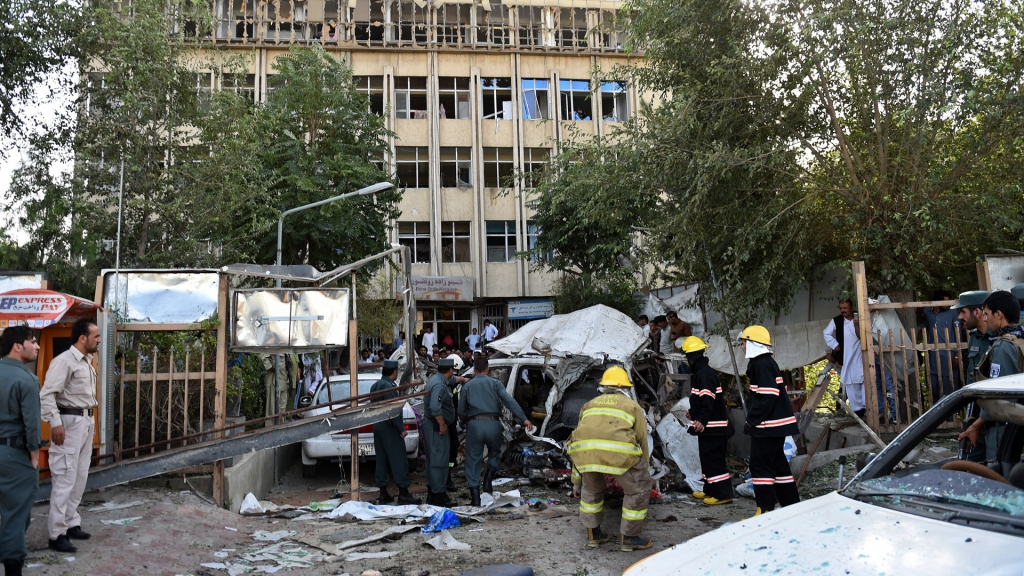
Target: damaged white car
(946, 518)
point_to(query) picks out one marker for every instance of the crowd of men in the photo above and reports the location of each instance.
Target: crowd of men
(65, 402)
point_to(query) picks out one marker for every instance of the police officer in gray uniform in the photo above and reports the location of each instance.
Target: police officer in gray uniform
(439, 421)
(20, 433)
(971, 316)
(389, 443)
(480, 404)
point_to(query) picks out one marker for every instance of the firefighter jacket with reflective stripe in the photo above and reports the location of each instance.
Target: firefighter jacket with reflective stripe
(769, 411)
(611, 436)
(707, 402)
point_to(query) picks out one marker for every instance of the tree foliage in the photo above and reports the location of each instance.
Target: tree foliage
(805, 131)
(206, 174)
(36, 38)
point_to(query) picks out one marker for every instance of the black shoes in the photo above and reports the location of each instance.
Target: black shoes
(12, 567)
(77, 533)
(384, 497)
(450, 485)
(488, 479)
(474, 494)
(405, 498)
(62, 544)
(441, 499)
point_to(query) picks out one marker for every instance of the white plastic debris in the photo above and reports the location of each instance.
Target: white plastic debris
(379, 536)
(112, 506)
(445, 541)
(264, 536)
(122, 521)
(369, 556)
(681, 447)
(250, 505)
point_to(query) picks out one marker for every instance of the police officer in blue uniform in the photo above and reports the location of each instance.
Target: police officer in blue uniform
(20, 427)
(439, 421)
(389, 443)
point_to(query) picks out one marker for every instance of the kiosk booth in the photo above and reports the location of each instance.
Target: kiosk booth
(52, 314)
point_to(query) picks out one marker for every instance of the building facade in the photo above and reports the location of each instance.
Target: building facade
(475, 92)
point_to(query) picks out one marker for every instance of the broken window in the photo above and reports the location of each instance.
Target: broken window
(501, 240)
(454, 242)
(410, 97)
(286, 20)
(492, 25)
(576, 101)
(416, 235)
(243, 85)
(453, 98)
(497, 93)
(236, 19)
(498, 167)
(614, 101)
(532, 232)
(535, 99)
(454, 25)
(369, 22)
(572, 28)
(412, 23)
(412, 166)
(373, 88)
(204, 88)
(535, 160)
(456, 167)
(531, 26)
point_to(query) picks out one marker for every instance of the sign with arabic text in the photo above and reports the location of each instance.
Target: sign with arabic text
(530, 309)
(443, 288)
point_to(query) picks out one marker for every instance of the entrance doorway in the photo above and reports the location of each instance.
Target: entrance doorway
(444, 321)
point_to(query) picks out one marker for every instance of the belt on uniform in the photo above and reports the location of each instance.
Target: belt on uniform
(486, 417)
(74, 411)
(14, 441)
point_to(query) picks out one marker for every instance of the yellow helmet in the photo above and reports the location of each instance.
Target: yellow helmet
(692, 344)
(616, 376)
(757, 334)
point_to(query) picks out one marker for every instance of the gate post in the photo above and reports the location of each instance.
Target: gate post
(867, 346)
(220, 397)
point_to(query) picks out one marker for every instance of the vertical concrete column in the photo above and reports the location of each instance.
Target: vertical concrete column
(479, 226)
(434, 152)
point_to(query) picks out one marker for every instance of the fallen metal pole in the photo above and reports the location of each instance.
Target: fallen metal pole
(218, 449)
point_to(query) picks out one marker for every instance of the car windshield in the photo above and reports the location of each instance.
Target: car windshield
(906, 476)
(340, 389)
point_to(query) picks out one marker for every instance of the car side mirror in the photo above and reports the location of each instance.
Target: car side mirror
(305, 401)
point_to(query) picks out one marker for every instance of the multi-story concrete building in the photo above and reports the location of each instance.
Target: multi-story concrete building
(474, 91)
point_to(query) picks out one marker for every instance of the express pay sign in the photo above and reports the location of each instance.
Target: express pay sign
(30, 304)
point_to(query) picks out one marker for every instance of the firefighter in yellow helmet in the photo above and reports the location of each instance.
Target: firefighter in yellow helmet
(769, 420)
(612, 439)
(709, 421)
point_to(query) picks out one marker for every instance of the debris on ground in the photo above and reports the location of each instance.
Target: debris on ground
(441, 521)
(122, 521)
(445, 541)
(107, 506)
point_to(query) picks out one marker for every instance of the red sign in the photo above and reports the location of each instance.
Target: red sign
(39, 308)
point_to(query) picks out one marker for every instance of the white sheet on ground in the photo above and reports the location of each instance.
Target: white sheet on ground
(379, 536)
(353, 511)
(445, 541)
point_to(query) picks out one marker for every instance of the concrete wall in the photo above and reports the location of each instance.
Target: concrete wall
(254, 473)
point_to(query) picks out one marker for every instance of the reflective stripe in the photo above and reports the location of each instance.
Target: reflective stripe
(601, 468)
(718, 390)
(774, 423)
(587, 508)
(717, 424)
(634, 515)
(779, 380)
(719, 478)
(783, 479)
(605, 445)
(705, 393)
(768, 390)
(613, 412)
(764, 480)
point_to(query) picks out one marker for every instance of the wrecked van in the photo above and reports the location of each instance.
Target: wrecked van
(894, 517)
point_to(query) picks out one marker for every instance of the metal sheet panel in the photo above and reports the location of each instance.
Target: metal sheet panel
(285, 320)
(18, 280)
(1005, 270)
(161, 297)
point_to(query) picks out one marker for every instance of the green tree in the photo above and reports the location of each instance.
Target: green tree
(811, 130)
(590, 215)
(35, 40)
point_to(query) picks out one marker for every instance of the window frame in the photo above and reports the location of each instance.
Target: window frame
(453, 163)
(456, 243)
(499, 164)
(569, 93)
(456, 94)
(404, 89)
(365, 85)
(531, 91)
(421, 162)
(491, 90)
(532, 163)
(506, 240)
(618, 91)
(417, 237)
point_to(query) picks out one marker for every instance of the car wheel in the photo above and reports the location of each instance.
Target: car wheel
(309, 470)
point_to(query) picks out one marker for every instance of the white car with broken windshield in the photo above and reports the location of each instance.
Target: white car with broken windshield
(338, 445)
(942, 518)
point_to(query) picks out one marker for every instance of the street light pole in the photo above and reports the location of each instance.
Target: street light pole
(380, 186)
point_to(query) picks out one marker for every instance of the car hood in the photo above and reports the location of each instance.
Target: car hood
(834, 534)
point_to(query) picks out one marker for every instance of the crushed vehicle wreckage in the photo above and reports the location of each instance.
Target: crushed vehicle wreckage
(552, 367)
